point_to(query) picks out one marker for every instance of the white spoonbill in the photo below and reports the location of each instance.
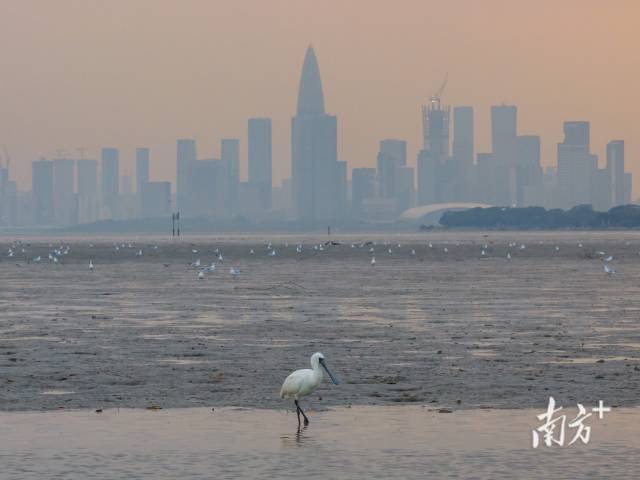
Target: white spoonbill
(304, 382)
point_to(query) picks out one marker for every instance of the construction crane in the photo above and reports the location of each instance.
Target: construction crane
(435, 99)
(435, 125)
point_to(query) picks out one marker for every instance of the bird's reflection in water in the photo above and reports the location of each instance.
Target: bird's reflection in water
(298, 439)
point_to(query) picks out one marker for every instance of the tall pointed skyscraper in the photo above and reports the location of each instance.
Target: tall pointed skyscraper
(314, 164)
(310, 95)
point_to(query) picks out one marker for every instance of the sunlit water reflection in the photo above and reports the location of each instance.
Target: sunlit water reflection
(359, 442)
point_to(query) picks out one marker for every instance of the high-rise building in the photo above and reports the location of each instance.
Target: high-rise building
(504, 132)
(64, 198)
(404, 190)
(229, 174)
(628, 182)
(435, 129)
(528, 171)
(42, 191)
(391, 157)
(429, 172)
(126, 185)
(489, 177)
(314, 150)
(601, 195)
(205, 187)
(87, 185)
(576, 166)
(615, 170)
(433, 159)
(504, 129)
(396, 149)
(8, 198)
(142, 175)
(127, 199)
(577, 133)
(463, 154)
(463, 138)
(395, 179)
(185, 157)
(110, 182)
(340, 189)
(363, 187)
(260, 157)
(156, 200)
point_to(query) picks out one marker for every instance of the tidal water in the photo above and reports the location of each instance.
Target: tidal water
(345, 443)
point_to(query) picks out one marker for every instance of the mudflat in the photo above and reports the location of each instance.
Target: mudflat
(454, 329)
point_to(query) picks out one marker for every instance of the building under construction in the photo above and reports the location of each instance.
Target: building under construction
(432, 159)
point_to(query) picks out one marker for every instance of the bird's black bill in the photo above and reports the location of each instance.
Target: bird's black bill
(326, 369)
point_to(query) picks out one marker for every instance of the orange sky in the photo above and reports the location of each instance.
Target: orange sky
(130, 73)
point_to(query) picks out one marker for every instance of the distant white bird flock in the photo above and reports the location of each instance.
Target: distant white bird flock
(17, 251)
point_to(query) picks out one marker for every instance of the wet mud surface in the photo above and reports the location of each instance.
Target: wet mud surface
(454, 329)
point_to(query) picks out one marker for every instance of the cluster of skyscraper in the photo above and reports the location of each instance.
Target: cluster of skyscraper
(211, 188)
(65, 191)
(510, 175)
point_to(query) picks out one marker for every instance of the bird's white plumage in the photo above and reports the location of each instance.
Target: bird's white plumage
(303, 382)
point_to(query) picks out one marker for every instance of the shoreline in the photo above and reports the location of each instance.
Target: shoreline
(401, 442)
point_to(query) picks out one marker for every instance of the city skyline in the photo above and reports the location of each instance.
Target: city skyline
(374, 87)
(318, 191)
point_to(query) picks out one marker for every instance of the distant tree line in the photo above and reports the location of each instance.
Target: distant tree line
(581, 216)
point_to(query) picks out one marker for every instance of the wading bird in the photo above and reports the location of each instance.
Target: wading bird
(304, 382)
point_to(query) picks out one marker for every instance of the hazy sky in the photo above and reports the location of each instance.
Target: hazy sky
(130, 73)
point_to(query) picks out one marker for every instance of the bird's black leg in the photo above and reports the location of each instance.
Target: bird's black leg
(306, 420)
(298, 412)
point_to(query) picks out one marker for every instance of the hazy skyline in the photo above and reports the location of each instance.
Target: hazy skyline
(144, 73)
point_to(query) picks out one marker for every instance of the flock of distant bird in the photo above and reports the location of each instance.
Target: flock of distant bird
(301, 382)
(56, 253)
